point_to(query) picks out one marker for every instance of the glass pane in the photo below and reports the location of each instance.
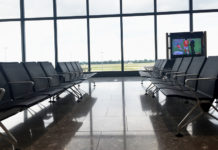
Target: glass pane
(172, 5)
(98, 7)
(9, 9)
(72, 41)
(105, 44)
(71, 7)
(205, 4)
(138, 6)
(208, 22)
(168, 24)
(40, 41)
(38, 8)
(138, 42)
(10, 42)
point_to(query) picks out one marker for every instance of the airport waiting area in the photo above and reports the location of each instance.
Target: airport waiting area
(108, 75)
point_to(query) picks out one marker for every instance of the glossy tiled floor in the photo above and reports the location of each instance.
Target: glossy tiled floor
(116, 115)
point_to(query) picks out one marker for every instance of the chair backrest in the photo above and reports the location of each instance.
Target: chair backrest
(185, 64)
(70, 67)
(74, 65)
(79, 67)
(209, 70)
(163, 64)
(15, 72)
(37, 75)
(156, 63)
(4, 84)
(50, 72)
(159, 64)
(62, 68)
(176, 64)
(194, 69)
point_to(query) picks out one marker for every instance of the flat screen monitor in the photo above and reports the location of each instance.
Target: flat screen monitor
(187, 44)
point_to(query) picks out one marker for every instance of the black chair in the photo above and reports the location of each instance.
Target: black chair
(81, 75)
(51, 72)
(173, 81)
(166, 73)
(84, 76)
(154, 73)
(192, 72)
(75, 74)
(8, 107)
(41, 81)
(204, 95)
(151, 68)
(21, 85)
(62, 69)
(55, 82)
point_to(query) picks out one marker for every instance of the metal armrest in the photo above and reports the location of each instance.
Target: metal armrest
(178, 72)
(22, 82)
(195, 79)
(2, 93)
(169, 72)
(43, 78)
(184, 75)
(59, 75)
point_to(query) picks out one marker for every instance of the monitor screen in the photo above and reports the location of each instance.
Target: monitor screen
(187, 44)
(190, 46)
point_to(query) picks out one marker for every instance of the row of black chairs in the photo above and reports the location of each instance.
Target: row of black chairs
(23, 85)
(73, 71)
(192, 78)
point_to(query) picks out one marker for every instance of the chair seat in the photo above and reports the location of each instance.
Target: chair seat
(6, 105)
(184, 94)
(161, 81)
(30, 100)
(174, 87)
(53, 91)
(145, 74)
(87, 76)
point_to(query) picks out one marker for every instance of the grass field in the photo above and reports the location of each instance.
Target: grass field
(116, 67)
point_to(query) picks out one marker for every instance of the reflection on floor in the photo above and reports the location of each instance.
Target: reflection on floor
(116, 115)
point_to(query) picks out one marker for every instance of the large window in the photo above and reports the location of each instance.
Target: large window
(38, 8)
(105, 44)
(205, 4)
(138, 6)
(172, 5)
(98, 37)
(10, 42)
(208, 22)
(167, 24)
(138, 42)
(9, 9)
(40, 41)
(72, 41)
(71, 7)
(99, 7)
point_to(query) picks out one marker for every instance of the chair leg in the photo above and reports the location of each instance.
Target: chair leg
(148, 88)
(184, 123)
(186, 116)
(93, 82)
(75, 93)
(142, 80)
(11, 139)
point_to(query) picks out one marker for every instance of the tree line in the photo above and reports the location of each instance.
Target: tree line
(118, 61)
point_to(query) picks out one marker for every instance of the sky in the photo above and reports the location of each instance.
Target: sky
(104, 32)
